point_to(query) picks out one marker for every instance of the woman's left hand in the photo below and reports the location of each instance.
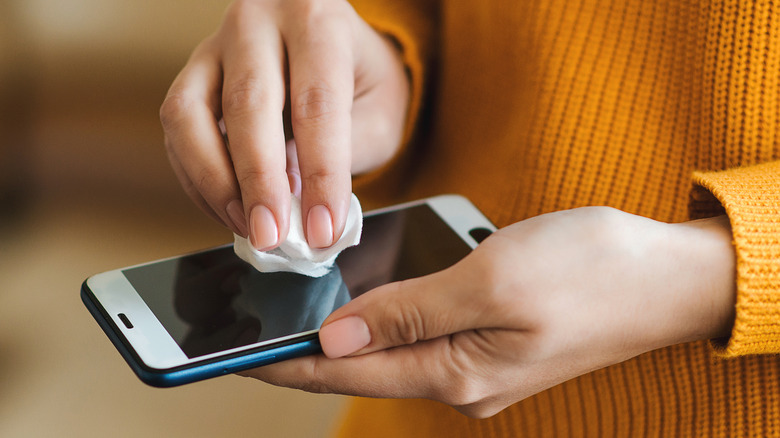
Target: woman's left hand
(537, 303)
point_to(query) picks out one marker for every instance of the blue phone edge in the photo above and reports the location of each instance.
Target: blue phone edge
(206, 369)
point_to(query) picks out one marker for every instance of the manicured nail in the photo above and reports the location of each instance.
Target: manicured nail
(344, 336)
(235, 212)
(319, 227)
(264, 232)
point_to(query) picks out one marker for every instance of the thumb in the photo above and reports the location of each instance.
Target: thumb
(402, 313)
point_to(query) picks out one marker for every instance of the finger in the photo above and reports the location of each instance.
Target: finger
(189, 116)
(252, 103)
(189, 187)
(293, 168)
(406, 312)
(319, 45)
(417, 371)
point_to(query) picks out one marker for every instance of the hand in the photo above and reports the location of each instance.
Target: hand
(294, 81)
(537, 303)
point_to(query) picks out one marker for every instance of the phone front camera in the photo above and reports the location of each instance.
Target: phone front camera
(479, 234)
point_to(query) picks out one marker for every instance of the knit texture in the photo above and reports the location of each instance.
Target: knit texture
(533, 106)
(751, 198)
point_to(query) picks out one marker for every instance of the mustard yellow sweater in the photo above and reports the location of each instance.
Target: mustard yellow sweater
(668, 109)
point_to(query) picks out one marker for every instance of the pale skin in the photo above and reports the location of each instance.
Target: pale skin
(538, 303)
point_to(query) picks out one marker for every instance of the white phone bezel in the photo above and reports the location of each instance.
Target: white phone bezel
(158, 350)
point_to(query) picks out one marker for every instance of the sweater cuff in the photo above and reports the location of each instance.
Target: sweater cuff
(750, 196)
(412, 25)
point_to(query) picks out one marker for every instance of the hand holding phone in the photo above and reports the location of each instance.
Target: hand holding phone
(205, 314)
(538, 303)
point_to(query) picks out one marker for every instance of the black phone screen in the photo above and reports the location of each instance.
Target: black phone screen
(213, 301)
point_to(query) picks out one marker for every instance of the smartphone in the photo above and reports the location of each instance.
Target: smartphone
(209, 313)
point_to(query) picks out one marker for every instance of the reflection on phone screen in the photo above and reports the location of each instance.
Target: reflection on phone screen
(214, 301)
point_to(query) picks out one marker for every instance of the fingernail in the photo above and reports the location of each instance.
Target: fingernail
(264, 232)
(319, 227)
(235, 212)
(344, 336)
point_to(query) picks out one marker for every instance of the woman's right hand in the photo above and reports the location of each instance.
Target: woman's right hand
(309, 95)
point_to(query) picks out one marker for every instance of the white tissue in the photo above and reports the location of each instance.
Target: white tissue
(294, 254)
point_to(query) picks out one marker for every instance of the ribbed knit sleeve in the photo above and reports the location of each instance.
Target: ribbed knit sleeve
(413, 25)
(750, 196)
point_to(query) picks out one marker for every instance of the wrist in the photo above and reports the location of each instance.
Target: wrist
(707, 284)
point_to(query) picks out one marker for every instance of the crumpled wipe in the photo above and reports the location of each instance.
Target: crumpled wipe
(294, 254)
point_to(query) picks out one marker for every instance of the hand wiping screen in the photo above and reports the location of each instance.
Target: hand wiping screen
(294, 254)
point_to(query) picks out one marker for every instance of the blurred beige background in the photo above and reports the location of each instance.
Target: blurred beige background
(85, 187)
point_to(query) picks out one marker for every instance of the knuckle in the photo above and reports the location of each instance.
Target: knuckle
(240, 9)
(406, 326)
(308, 9)
(313, 11)
(247, 94)
(463, 390)
(315, 103)
(318, 177)
(315, 386)
(478, 411)
(254, 177)
(318, 381)
(315, 18)
(207, 180)
(174, 109)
